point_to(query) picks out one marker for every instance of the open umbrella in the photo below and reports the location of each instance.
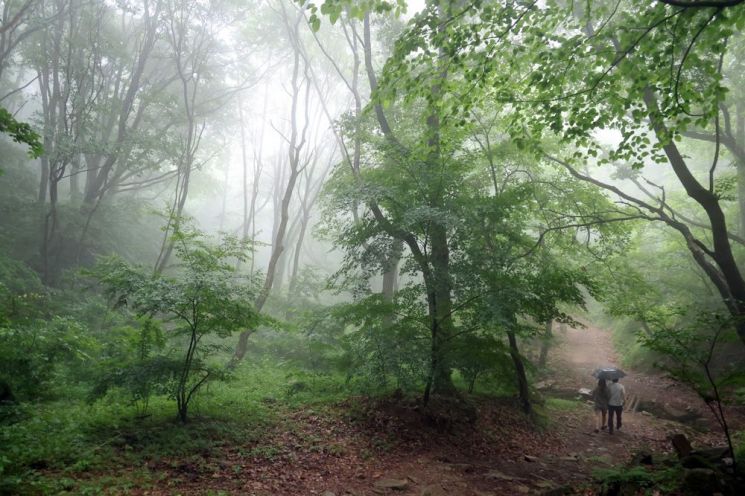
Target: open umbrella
(608, 373)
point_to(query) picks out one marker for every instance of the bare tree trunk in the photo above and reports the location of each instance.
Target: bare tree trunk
(249, 200)
(390, 278)
(223, 204)
(75, 193)
(545, 343)
(244, 168)
(307, 201)
(187, 63)
(54, 86)
(292, 286)
(127, 116)
(44, 177)
(296, 143)
(441, 312)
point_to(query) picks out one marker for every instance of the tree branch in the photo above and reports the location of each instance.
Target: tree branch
(697, 4)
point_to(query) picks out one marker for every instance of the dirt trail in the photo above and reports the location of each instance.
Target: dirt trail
(582, 350)
(503, 455)
(573, 450)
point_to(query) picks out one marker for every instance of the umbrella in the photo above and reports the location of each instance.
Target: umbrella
(608, 373)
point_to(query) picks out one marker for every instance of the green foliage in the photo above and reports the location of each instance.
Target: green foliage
(562, 405)
(33, 355)
(356, 9)
(690, 342)
(633, 353)
(739, 442)
(22, 295)
(384, 352)
(542, 60)
(205, 297)
(82, 447)
(481, 354)
(37, 350)
(690, 348)
(649, 480)
(19, 211)
(372, 350)
(516, 249)
(132, 361)
(21, 133)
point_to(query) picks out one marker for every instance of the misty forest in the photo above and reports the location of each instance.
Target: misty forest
(371, 247)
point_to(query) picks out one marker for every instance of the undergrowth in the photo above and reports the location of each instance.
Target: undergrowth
(106, 446)
(632, 480)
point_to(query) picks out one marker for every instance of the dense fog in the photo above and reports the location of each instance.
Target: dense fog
(218, 215)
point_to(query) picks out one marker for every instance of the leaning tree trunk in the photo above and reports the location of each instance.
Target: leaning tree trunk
(728, 279)
(296, 144)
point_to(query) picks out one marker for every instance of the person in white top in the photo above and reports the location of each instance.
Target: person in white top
(616, 399)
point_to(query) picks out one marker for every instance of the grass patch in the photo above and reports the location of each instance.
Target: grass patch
(67, 445)
(46, 448)
(738, 440)
(544, 412)
(110, 447)
(631, 480)
(80, 447)
(561, 405)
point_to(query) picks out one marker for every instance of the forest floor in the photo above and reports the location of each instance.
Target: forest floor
(376, 447)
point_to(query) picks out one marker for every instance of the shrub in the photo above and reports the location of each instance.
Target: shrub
(203, 297)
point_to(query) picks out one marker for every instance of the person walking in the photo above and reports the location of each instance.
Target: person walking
(616, 399)
(600, 396)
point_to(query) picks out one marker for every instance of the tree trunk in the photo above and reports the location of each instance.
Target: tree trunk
(472, 382)
(390, 279)
(223, 204)
(442, 326)
(740, 141)
(441, 312)
(75, 168)
(522, 379)
(728, 278)
(186, 65)
(390, 274)
(249, 201)
(44, 177)
(546, 344)
(292, 288)
(295, 146)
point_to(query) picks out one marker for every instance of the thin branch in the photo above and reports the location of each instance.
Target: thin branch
(21, 88)
(675, 214)
(578, 225)
(697, 4)
(716, 154)
(683, 61)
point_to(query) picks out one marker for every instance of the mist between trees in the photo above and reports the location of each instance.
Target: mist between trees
(363, 198)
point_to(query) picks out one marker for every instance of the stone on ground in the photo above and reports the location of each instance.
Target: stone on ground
(397, 484)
